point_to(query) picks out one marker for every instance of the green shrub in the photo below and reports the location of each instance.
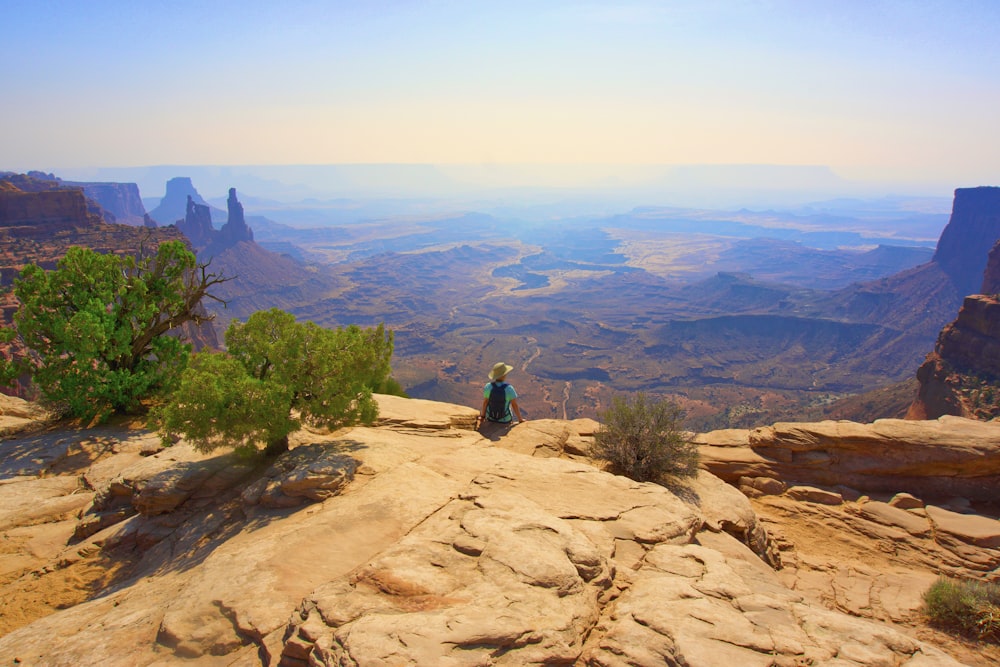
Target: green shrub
(642, 440)
(970, 608)
(277, 375)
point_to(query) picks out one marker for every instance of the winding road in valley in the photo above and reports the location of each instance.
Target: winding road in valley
(566, 390)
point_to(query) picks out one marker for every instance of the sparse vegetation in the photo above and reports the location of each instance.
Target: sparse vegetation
(94, 329)
(980, 393)
(642, 439)
(967, 607)
(277, 375)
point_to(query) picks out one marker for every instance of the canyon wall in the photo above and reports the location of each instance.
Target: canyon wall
(961, 376)
(972, 231)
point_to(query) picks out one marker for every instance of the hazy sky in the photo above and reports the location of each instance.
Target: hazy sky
(888, 89)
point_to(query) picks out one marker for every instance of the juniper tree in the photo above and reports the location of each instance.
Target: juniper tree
(95, 328)
(276, 375)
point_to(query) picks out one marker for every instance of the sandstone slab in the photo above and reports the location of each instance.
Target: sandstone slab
(944, 457)
(811, 494)
(891, 515)
(980, 531)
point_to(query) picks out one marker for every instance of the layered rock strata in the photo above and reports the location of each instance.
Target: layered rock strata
(961, 376)
(121, 200)
(947, 457)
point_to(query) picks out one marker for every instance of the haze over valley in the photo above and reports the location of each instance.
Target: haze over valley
(777, 220)
(742, 315)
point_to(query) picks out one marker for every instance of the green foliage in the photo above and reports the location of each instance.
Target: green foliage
(391, 387)
(642, 440)
(968, 607)
(9, 369)
(95, 326)
(277, 375)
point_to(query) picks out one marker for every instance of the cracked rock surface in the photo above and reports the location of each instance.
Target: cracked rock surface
(412, 543)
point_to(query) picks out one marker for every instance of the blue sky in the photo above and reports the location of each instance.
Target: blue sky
(885, 90)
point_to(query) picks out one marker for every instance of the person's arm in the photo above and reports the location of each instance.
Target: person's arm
(516, 409)
(482, 410)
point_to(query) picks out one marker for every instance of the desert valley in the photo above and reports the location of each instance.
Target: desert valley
(421, 540)
(743, 317)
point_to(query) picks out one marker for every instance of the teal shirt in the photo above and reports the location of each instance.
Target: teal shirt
(510, 395)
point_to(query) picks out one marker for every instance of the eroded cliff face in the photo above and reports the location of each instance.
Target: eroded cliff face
(121, 200)
(233, 232)
(197, 223)
(991, 276)
(261, 279)
(971, 232)
(173, 206)
(961, 376)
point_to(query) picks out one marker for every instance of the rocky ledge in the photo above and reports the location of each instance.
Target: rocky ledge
(418, 541)
(946, 457)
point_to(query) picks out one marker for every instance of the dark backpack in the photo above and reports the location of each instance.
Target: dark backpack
(497, 409)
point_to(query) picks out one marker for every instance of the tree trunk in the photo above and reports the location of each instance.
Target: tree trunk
(277, 447)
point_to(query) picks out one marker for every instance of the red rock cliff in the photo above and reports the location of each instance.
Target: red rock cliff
(962, 375)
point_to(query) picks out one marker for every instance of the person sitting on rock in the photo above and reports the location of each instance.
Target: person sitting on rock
(499, 398)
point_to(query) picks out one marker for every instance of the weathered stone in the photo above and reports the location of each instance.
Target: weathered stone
(978, 530)
(812, 494)
(690, 605)
(306, 473)
(890, 515)
(418, 413)
(906, 501)
(30, 501)
(769, 486)
(947, 456)
(160, 483)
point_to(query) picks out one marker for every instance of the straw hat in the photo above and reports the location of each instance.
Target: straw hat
(499, 370)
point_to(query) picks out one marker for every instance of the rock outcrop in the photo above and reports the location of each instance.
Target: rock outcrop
(196, 224)
(944, 458)
(173, 206)
(961, 376)
(121, 200)
(112, 202)
(991, 276)
(415, 542)
(971, 232)
(39, 226)
(235, 230)
(38, 215)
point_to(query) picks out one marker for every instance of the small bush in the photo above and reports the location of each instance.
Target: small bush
(642, 440)
(970, 608)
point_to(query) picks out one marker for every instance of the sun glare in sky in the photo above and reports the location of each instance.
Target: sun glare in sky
(895, 90)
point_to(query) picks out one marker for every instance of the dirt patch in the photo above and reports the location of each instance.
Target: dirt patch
(974, 654)
(36, 595)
